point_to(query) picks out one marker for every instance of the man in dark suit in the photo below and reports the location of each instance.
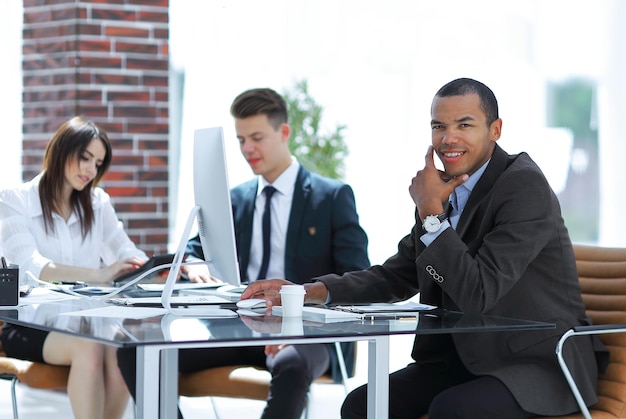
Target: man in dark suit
(489, 238)
(314, 230)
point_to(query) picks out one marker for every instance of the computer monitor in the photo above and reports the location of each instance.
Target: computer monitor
(213, 212)
(212, 195)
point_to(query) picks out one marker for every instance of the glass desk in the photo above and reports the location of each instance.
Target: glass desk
(158, 338)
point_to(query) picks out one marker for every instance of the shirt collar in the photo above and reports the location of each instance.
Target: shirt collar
(285, 183)
(463, 191)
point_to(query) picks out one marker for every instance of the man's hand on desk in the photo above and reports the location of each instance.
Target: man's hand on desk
(266, 324)
(269, 290)
(199, 273)
(263, 324)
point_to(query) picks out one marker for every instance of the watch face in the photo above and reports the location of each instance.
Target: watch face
(432, 223)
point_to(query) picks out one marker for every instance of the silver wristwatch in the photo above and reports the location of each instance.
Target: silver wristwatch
(432, 223)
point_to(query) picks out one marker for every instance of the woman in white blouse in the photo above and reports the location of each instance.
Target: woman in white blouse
(60, 226)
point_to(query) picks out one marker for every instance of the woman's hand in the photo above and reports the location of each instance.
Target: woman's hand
(114, 270)
(199, 273)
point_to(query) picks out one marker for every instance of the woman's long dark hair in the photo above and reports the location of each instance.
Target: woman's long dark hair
(67, 144)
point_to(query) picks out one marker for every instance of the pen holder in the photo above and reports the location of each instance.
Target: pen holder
(9, 285)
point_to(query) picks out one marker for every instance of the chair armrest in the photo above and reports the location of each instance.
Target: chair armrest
(597, 329)
(580, 331)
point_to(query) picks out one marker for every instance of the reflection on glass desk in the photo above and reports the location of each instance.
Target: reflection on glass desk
(159, 337)
(170, 328)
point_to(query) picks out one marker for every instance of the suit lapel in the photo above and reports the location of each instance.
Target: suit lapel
(301, 193)
(243, 227)
(496, 166)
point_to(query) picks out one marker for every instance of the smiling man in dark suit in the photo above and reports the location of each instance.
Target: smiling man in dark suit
(314, 230)
(489, 238)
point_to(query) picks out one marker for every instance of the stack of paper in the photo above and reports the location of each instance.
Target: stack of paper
(321, 315)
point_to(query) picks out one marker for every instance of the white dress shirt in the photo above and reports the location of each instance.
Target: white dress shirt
(25, 242)
(280, 212)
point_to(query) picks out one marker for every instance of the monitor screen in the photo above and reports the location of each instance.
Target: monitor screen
(212, 195)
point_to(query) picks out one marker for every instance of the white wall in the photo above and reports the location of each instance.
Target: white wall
(11, 91)
(375, 67)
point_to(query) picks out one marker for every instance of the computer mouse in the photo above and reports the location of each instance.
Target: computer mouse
(251, 303)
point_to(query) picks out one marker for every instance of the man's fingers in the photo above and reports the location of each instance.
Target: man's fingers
(457, 181)
(429, 158)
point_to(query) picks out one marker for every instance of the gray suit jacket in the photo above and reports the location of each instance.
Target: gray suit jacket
(510, 256)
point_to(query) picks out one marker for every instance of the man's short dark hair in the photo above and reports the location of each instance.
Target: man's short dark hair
(263, 101)
(465, 86)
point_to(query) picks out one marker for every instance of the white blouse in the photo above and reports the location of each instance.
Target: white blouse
(25, 242)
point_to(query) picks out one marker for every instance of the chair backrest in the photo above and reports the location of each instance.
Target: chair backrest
(602, 276)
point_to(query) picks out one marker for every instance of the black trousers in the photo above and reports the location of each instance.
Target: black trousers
(293, 370)
(444, 391)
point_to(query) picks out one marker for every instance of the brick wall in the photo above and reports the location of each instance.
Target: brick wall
(106, 60)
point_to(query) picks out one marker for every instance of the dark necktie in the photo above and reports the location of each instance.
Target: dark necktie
(267, 228)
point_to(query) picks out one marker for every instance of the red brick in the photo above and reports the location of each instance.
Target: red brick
(161, 34)
(116, 175)
(126, 160)
(156, 222)
(161, 81)
(152, 16)
(161, 145)
(100, 62)
(89, 94)
(120, 111)
(136, 96)
(128, 191)
(112, 79)
(153, 176)
(155, 161)
(95, 45)
(152, 3)
(126, 31)
(108, 1)
(136, 48)
(113, 14)
(147, 64)
(154, 127)
(93, 111)
(161, 96)
(136, 207)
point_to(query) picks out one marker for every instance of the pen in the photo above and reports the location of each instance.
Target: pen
(4, 263)
(76, 284)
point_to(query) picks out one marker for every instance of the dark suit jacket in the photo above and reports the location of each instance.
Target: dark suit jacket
(323, 235)
(510, 256)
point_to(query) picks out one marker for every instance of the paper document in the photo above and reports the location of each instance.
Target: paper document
(176, 300)
(386, 308)
(40, 295)
(179, 286)
(322, 315)
(119, 312)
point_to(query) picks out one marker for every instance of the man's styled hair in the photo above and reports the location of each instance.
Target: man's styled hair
(263, 101)
(465, 86)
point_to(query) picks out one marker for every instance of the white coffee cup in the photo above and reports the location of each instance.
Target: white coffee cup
(292, 297)
(292, 326)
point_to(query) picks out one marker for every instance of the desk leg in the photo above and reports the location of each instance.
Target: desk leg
(169, 383)
(147, 382)
(378, 378)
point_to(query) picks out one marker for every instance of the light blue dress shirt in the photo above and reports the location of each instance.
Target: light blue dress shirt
(458, 199)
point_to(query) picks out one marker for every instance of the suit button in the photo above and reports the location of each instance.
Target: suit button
(432, 272)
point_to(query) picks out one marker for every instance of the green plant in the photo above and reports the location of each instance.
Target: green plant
(320, 153)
